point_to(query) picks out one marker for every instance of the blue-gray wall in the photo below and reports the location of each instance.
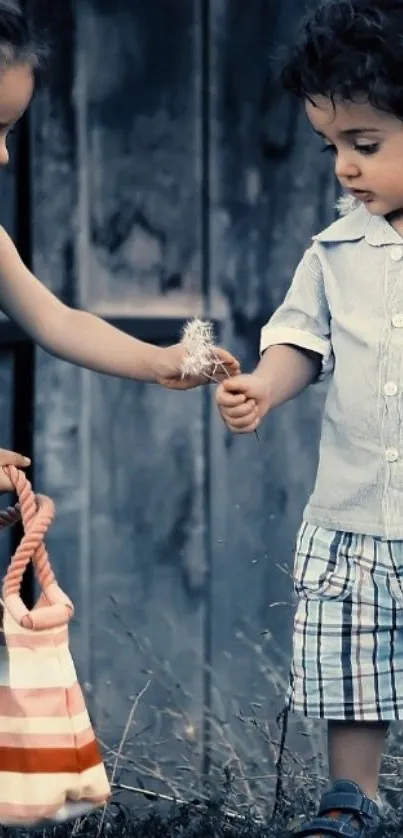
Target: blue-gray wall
(169, 181)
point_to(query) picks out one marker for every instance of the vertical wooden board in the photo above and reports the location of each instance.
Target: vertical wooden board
(84, 444)
(58, 397)
(54, 152)
(140, 115)
(148, 577)
(8, 191)
(138, 107)
(271, 191)
(6, 441)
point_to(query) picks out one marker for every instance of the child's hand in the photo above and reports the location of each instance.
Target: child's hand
(10, 458)
(169, 373)
(242, 402)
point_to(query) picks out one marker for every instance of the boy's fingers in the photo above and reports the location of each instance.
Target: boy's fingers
(238, 384)
(241, 427)
(243, 422)
(241, 411)
(229, 399)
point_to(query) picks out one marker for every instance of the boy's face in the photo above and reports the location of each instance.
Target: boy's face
(368, 149)
(16, 89)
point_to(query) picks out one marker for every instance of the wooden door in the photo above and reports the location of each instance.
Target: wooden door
(167, 180)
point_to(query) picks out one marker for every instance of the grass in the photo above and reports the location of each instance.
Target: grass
(199, 820)
(221, 811)
(259, 786)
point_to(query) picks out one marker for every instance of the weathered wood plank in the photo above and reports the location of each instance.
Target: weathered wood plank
(117, 228)
(140, 84)
(272, 190)
(117, 221)
(9, 186)
(148, 571)
(58, 397)
(139, 111)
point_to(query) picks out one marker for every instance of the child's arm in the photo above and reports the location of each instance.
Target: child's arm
(282, 374)
(84, 339)
(295, 345)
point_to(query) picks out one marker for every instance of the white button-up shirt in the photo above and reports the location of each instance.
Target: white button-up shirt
(346, 303)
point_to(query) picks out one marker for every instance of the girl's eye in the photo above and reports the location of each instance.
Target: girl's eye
(328, 148)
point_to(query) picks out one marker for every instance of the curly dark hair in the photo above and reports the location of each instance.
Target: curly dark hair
(347, 49)
(18, 41)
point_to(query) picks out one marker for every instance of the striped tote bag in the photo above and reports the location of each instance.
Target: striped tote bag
(51, 769)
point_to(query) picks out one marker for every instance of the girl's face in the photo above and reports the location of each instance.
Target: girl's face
(16, 89)
(367, 145)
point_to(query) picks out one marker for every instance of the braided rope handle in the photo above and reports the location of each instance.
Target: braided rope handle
(36, 513)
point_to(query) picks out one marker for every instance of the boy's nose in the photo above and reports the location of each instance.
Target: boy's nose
(345, 168)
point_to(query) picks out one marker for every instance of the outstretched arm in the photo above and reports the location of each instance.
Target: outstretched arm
(82, 338)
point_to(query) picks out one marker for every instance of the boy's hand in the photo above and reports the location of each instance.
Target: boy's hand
(242, 402)
(10, 458)
(170, 374)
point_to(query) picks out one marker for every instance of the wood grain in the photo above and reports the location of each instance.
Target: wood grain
(272, 191)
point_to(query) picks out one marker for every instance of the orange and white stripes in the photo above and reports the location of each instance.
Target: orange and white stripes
(50, 764)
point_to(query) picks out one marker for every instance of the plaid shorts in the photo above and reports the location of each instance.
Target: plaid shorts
(348, 632)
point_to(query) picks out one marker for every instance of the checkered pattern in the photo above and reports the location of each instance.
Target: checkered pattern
(348, 632)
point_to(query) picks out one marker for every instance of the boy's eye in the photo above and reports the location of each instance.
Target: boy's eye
(369, 148)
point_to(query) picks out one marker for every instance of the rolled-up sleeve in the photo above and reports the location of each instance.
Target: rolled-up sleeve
(303, 319)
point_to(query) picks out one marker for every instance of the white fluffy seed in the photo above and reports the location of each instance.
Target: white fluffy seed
(198, 340)
(346, 204)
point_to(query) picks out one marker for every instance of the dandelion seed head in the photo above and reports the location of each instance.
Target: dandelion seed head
(195, 365)
(197, 333)
(198, 341)
(347, 204)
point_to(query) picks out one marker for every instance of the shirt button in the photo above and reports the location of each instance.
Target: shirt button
(397, 321)
(390, 388)
(396, 254)
(391, 455)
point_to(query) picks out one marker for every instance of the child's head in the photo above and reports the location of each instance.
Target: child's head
(20, 56)
(347, 67)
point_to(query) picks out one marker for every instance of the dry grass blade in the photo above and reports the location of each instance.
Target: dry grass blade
(176, 801)
(122, 744)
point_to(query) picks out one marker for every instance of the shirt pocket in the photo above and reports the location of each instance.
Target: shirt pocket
(324, 565)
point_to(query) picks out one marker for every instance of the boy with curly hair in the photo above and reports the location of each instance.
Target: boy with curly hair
(343, 318)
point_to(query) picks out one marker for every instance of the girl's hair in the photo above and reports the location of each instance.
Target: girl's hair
(18, 41)
(348, 49)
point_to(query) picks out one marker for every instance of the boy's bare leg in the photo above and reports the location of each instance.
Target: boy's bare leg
(355, 753)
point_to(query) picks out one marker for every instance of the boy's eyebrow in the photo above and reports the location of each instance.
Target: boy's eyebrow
(352, 132)
(361, 131)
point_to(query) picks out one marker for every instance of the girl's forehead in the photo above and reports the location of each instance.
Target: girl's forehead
(16, 89)
(339, 116)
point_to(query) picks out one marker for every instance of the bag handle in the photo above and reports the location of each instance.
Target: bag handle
(36, 512)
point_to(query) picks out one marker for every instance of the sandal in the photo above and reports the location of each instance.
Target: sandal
(344, 812)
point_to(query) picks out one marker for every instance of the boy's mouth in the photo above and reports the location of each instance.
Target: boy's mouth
(362, 195)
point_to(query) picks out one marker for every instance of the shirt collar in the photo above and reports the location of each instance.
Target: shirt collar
(360, 224)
